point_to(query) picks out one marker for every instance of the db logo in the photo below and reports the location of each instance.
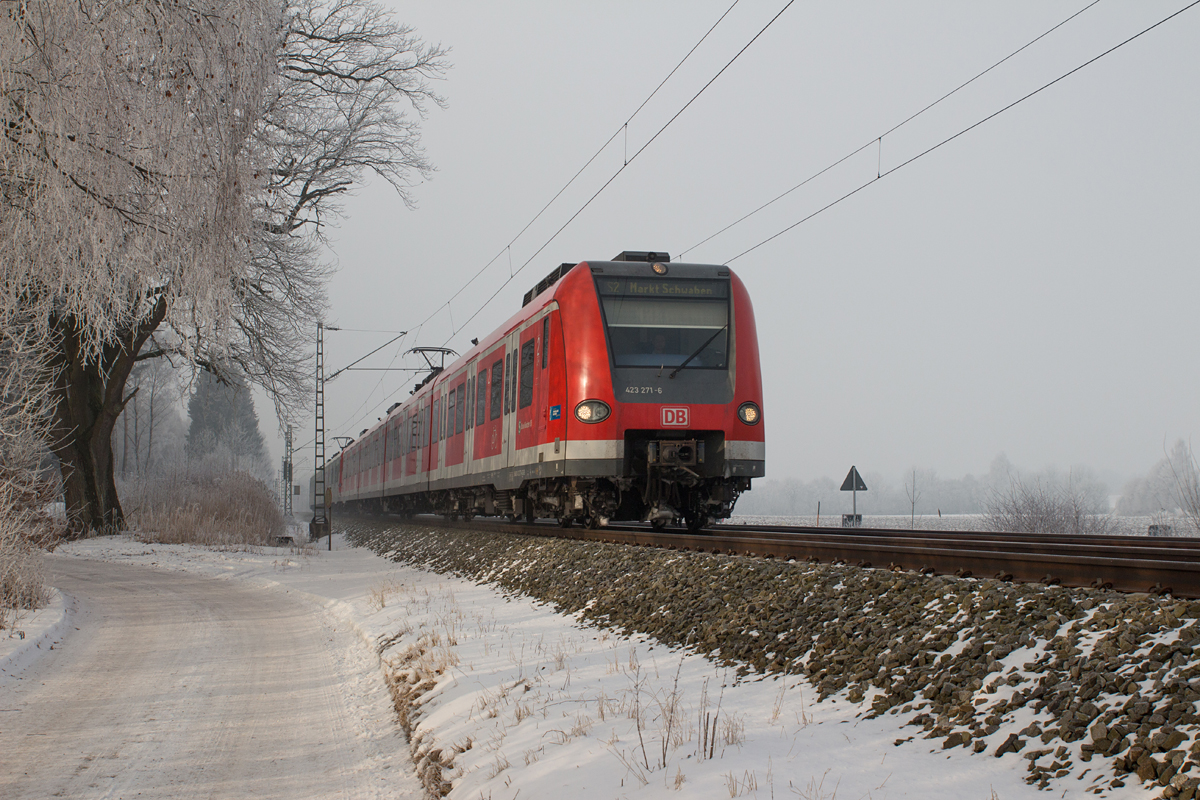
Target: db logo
(675, 417)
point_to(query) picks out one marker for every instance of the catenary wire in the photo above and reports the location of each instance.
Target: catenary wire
(878, 139)
(606, 184)
(508, 248)
(623, 127)
(622, 168)
(881, 175)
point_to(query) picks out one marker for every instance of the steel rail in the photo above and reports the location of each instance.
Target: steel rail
(1119, 563)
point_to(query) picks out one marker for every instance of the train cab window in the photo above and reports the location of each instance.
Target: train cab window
(664, 322)
(462, 407)
(497, 388)
(528, 361)
(545, 340)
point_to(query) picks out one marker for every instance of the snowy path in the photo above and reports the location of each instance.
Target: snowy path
(168, 685)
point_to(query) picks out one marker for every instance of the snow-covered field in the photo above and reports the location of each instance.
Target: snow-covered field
(514, 700)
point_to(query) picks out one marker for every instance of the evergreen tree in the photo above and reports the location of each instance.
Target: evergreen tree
(224, 426)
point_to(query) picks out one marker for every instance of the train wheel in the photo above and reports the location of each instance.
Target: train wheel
(696, 523)
(658, 524)
(565, 522)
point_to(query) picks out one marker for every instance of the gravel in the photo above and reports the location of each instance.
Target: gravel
(1068, 680)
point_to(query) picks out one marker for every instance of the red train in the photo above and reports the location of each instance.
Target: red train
(627, 389)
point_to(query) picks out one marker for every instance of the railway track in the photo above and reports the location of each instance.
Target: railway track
(1120, 563)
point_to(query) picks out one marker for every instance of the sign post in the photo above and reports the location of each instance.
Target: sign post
(854, 484)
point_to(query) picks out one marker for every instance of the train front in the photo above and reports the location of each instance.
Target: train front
(685, 418)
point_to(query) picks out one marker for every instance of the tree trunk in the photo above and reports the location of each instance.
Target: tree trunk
(90, 398)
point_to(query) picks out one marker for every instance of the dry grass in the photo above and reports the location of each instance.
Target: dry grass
(22, 586)
(27, 528)
(222, 510)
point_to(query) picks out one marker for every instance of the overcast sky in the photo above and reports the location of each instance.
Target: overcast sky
(1029, 288)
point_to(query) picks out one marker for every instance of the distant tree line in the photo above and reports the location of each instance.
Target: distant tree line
(1050, 499)
(933, 493)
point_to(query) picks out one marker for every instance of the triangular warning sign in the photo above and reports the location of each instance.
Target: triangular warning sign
(853, 482)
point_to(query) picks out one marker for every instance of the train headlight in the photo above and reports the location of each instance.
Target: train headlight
(592, 411)
(749, 413)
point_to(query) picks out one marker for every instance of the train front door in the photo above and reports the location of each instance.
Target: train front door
(528, 385)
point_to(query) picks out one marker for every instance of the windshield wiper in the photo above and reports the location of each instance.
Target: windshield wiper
(699, 350)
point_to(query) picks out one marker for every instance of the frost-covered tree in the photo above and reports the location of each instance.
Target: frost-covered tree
(164, 169)
(352, 86)
(127, 182)
(150, 430)
(1171, 487)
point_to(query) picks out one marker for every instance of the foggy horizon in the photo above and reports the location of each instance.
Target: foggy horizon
(1022, 290)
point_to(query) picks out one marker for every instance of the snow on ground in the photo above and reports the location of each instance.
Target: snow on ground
(515, 700)
(31, 634)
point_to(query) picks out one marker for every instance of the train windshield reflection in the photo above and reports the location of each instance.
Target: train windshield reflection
(664, 331)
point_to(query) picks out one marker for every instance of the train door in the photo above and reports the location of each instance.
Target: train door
(489, 406)
(468, 407)
(508, 436)
(456, 422)
(435, 415)
(541, 409)
(527, 390)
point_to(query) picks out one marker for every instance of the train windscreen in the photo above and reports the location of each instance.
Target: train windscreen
(664, 322)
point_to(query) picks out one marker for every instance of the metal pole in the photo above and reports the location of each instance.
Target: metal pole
(320, 521)
(287, 475)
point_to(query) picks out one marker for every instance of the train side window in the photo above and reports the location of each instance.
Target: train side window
(545, 340)
(528, 361)
(462, 407)
(497, 388)
(453, 410)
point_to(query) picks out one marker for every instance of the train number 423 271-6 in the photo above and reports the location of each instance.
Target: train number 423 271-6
(643, 390)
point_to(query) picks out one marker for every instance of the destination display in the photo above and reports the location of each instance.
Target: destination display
(662, 287)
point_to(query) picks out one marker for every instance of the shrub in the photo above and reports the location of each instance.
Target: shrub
(27, 485)
(22, 585)
(1185, 471)
(232, 509)
(1043, 507)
